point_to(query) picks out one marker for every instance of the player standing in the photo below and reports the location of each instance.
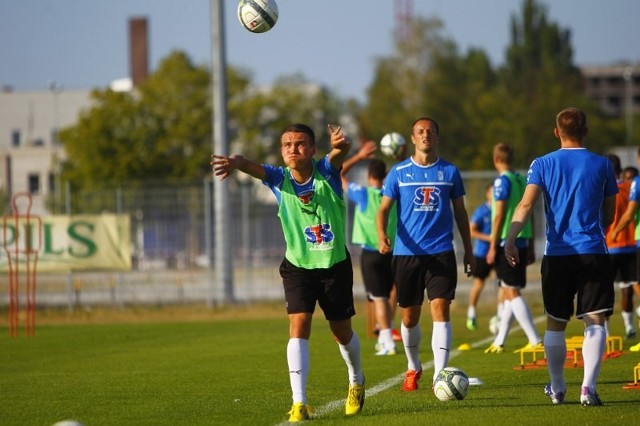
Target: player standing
(317, 266)
(579, 190)
(425, 187)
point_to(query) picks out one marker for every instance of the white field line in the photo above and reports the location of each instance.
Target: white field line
(396, 380)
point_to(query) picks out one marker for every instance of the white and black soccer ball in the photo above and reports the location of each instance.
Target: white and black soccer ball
(258, 16)
(494, 324)
(391, 144)
(451, 384)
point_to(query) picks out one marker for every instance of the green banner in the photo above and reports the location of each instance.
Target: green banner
(66, 243)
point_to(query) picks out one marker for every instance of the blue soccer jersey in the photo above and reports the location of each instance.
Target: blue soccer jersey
(423, 196)
(481, 217)
(275, 176)
(573, 205)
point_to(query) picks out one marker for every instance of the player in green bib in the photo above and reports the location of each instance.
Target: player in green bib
(508, 188)
(317, 266)
(375, 267)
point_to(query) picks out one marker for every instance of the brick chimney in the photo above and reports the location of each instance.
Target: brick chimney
(138, 50)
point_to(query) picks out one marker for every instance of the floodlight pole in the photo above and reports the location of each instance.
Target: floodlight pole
(222, 213)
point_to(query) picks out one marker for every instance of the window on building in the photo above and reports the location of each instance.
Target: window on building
(15, 138)
(34, 183)
(614, 101)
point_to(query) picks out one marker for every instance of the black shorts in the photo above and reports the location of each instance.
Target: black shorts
(483, 269)
(588, 276)
(512, 276)
(376, 273)
(437, 273)
(624, 267)
(332, 288)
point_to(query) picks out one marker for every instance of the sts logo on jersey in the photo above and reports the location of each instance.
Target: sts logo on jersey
(319, 234)
(427, 198)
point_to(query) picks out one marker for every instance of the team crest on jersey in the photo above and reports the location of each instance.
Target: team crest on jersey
(319, 235)
(440, 176)
(306, 197)
(427, 198)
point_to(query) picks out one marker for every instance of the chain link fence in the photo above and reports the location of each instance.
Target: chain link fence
(172, 234)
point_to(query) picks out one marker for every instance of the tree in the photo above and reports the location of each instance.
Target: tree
(538, 80)
(162, 130)
(260, 117)
(159, 131)
(427, 76)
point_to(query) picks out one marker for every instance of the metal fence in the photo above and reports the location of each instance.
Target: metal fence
(171, 227)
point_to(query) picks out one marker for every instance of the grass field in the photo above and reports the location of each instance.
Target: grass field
(195, 366)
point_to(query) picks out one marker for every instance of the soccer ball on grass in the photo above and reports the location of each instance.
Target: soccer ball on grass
(451, 383)
(258, 16)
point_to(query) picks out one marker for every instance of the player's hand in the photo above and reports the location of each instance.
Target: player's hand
(222, 166)
(367, 150)
(338, 139)
(469, 264)
(384, 245)
(614, 236)
(491, 256)
(512, 255)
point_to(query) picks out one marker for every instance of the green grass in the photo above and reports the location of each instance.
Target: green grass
(234, 372)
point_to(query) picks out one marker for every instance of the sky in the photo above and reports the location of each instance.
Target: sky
(80, 44)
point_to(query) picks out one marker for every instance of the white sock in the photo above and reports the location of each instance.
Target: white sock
(411, 338)
(440, 345)
(555, 349)
(386, 339)
(627, 317)
(351, 355)
(606, 326)
(523, 316)
(471, 312)
(298, 360)
(505, 324)
(499, 309)
(593, 349)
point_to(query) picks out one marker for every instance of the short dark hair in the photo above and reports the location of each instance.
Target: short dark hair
(434, 122)
(631, 171)
(504, 152)
(377, 169)
(300, 128)
(615, 161)
(572, 123)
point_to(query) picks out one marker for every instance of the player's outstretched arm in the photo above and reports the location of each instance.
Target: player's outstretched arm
(340, 146)
(366, 151)
(222, 166)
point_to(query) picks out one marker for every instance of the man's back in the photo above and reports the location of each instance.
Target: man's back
(574, 183)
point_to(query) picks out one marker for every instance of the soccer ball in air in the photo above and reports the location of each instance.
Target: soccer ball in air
(258, 16)
(451, 383)
(391, 144)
